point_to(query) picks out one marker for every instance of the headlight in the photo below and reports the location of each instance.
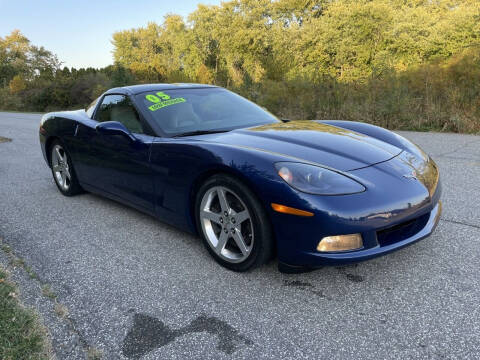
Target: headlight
(316, 180)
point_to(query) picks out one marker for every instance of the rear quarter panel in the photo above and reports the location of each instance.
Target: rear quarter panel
(60, 125)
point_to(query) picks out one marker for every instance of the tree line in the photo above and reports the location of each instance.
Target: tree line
(403, 64)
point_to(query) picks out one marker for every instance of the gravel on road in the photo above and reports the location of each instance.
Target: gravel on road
(133, 287)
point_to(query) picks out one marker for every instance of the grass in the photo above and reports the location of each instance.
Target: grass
(48, 292)
(61, 310)
(7, 249)
(16, 261)
(21, 334)
(94, 354)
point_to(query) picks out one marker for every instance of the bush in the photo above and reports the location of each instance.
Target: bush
(9, 101)
(440, 97)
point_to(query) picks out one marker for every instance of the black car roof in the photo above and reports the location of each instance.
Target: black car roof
(137, 89)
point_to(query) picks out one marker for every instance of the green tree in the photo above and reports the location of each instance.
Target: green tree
(19, 57)
(410, 64)
(17, 84)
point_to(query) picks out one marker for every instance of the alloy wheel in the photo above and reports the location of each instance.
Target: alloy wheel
(227, 224)
(60, 167)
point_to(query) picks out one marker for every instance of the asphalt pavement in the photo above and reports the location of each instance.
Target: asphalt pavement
(133, 287)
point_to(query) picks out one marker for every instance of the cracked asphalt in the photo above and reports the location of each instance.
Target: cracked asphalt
(136, 288)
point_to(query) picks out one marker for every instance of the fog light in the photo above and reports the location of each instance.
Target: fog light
(340, 243)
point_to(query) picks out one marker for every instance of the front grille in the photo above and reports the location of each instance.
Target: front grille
(401, 231)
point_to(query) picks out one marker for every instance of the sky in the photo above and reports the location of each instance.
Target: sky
(80, 32)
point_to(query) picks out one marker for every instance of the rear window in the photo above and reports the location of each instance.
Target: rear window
(184, 110)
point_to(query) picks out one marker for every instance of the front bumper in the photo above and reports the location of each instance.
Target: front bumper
(307, 260)
(394, 212)
(347, 257)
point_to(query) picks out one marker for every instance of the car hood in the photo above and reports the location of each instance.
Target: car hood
(311, 141)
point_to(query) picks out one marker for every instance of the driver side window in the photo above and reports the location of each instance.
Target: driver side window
(119, 108)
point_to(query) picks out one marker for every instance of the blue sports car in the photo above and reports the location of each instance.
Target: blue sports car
(251, 185)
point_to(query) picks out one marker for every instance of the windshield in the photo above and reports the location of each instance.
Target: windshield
(182, 111)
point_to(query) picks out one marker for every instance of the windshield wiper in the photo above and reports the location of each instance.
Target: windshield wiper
(200, 132)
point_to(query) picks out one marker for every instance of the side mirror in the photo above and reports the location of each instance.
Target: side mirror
(114, 128)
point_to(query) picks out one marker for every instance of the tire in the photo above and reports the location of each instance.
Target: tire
(62, 170)
(233, 224)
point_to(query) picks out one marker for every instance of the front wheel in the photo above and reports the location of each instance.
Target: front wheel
(62, 170)
(233, 224)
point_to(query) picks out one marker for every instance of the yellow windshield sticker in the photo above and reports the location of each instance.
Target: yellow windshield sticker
(161, 100)
(152, 98)
(169, 102)
(162, 95)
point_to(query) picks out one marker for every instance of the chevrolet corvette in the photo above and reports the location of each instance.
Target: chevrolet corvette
(252, 186)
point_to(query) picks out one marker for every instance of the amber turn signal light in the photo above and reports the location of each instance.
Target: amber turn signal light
(289, 210)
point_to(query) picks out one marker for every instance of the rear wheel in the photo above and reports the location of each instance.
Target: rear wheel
(62, 170)
(233, 224)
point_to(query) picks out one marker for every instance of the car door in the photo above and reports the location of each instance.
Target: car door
(115, 164)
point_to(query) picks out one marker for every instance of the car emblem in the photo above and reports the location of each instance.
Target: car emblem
(412, 175)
